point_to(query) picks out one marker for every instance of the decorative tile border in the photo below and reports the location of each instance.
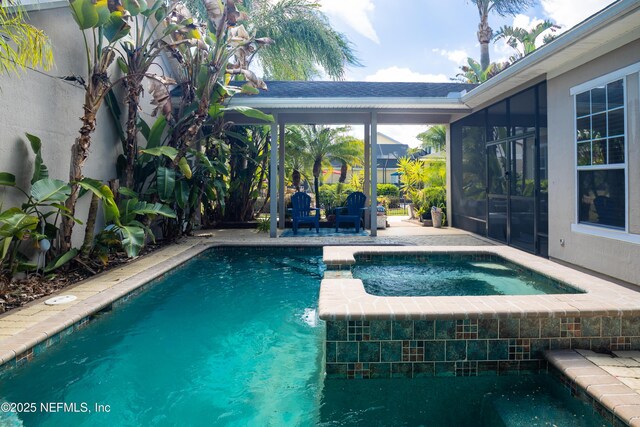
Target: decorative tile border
(443, 347)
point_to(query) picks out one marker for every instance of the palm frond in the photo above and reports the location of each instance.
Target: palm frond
(21, 44)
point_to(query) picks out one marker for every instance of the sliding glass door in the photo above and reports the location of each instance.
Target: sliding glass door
(511, 191)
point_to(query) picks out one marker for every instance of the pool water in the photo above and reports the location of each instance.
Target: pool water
(232, 339)
(484, 401)
(459, 277)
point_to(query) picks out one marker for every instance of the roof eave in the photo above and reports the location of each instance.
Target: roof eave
(337, 103)
(38, 5)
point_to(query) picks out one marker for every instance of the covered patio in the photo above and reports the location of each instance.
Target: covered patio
(347, 103)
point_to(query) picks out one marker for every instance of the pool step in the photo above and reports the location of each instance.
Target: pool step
(593, 374)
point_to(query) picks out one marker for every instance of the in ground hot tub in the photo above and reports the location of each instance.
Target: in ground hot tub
(398, 332)
(450, 274)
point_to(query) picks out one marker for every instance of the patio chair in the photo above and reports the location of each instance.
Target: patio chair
(301, 212)
(352, 211)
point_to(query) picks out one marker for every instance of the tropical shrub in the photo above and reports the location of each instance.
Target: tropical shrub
(424, 182)
(35, 222)
(333, 196)
(388, 190)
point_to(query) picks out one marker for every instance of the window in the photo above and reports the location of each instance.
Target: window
(600, 148)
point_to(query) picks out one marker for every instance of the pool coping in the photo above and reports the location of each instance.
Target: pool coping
(601, 387)
(345, 298)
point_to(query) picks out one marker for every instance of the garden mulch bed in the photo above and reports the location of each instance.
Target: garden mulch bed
(19, 292)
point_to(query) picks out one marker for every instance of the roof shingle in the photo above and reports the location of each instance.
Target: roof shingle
(350, 89)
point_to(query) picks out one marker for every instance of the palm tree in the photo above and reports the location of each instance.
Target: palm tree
(21, 45)
(524, 41)
(474, 73)
(435, 137)
(502, 8)
(99, 23)
(324, 144)
(304, 40)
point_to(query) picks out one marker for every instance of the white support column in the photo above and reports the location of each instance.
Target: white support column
(281, 183)
(273, 180)
(448, 171)
(374, 173)
(367, 159)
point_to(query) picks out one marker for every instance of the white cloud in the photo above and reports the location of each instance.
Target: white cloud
(398, 74)
(354, 13)
(568, 13)
(526, 22)
(458, 56)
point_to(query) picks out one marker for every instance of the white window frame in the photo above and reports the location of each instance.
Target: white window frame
(594, 229)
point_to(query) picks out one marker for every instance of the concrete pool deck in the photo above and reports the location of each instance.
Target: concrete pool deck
(26, 332)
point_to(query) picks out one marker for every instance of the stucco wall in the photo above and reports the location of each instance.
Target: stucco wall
(609, 256)
(51, 109)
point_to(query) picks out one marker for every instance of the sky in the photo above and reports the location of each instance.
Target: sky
(428, 40)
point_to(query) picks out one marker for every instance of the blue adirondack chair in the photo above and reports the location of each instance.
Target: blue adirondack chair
(302, 212)
(352, 211)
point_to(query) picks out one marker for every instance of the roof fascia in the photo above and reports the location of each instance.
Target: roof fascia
(350, 103)
(38, 5)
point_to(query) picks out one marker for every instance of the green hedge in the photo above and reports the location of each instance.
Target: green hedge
(388, 190)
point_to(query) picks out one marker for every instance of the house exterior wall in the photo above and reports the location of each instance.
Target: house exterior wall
(617, 254)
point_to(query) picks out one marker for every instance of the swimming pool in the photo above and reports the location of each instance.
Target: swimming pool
(232, 339)
(451, 275)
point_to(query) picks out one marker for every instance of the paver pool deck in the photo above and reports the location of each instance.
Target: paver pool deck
(22, 329)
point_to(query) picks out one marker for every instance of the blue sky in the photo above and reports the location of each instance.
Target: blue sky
(428, 40)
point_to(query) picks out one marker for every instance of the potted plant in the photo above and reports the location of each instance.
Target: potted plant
(436, 216)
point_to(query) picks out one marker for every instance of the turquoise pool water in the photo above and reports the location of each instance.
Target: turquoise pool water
(232, 339)
(461, 276)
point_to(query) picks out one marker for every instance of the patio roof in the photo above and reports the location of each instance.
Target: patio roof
(340, 102)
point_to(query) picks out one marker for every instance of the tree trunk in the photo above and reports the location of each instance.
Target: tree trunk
(79, 154)
(317, 170)
(485, 34)
(316, 188)
(343, 172)
(295, 178)
(134, 89)
(90, 229)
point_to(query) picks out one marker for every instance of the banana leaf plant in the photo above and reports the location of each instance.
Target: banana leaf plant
(37, 219)
(129, 221)
(249, 147)
(226, 51)
(102, 24)
(31, 222)
(137, 53)
(183, 183)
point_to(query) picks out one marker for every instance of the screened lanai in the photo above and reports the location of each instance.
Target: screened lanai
(347, 103)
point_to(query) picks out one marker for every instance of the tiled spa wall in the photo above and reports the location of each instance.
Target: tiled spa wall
(362, 349)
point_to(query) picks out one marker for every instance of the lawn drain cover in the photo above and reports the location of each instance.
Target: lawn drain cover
(62, 299)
